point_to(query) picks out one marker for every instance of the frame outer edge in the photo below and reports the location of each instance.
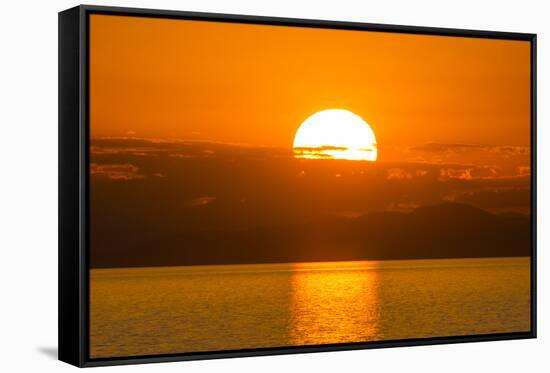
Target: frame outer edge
(69, 248)
(76, 353)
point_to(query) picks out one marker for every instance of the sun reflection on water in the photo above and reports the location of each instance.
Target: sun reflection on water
(336, 302)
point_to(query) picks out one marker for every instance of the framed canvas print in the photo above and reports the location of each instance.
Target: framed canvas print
(238, 186)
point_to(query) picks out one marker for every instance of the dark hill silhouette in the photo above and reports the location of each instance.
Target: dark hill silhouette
(449, 230)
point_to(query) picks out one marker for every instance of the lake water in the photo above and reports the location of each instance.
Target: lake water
(141, 311)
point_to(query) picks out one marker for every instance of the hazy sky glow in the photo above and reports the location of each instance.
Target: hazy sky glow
(256, 84)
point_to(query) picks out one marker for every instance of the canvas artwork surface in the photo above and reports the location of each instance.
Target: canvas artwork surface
(258, 186)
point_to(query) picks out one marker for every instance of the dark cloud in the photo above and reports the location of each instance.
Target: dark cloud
(123, 171)
(467, 172)
(203, 185)
(496, 198)
(324, 147)
(511, 150)
(397, 173)
(524, 170)
(201, 201)
(443, 148)
(104, 147)
(457, 147)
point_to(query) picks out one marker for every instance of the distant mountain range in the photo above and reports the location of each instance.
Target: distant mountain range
(449, 230)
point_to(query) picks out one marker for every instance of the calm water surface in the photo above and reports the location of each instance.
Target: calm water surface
(203, 308)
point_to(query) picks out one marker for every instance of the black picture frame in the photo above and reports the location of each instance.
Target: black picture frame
(74, 182)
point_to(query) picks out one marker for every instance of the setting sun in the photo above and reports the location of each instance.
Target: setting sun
(335, 134)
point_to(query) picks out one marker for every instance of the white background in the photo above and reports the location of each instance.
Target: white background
(28, 184)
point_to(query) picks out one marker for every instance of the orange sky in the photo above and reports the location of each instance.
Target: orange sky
(255, 84)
